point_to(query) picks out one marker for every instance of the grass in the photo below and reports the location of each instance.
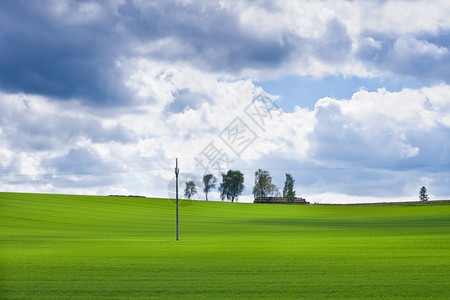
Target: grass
(88, 247)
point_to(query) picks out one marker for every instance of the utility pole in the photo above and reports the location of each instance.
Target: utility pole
(177, 171)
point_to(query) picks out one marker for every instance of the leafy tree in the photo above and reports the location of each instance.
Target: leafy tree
(190, 189)
(288, 190)
(232, 185)
(423, 194)
(209, 183)
(263, 185)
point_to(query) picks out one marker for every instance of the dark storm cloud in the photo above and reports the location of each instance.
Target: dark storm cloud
(73, 52)
(210, 36)
(47, 54)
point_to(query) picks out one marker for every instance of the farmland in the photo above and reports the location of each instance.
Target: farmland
(66, 246)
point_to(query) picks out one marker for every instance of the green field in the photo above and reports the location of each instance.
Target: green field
(90, 247)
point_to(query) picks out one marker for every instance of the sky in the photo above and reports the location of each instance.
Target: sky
(352, 98)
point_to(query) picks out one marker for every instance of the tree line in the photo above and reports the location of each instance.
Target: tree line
(232, 186)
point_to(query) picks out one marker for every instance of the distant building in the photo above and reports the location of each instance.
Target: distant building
(279, 200)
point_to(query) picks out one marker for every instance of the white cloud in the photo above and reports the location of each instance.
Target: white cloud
(439, 96)
(409, 46)
(262, 23)
(379, 124)
(409, 23)
(307, 18)
(410, 16)
(138, 84)
(409, 107)
(349, 148)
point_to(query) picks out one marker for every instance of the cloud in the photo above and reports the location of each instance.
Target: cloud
(405, 17)
(378, 124)
(408, 46)
(46, 51)
(78, 50)
(117, 90)
(406, 56)
(335, 44)
(34, 123)
(82, 168)
(53, 144)
(377, 144)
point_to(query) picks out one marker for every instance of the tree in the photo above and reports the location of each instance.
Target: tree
(288, 190)
(232, 185)
(423, 194)
(209, 183)
(263, 185)
(190, 189)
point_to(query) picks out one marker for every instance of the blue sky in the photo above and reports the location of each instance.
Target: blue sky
(305, 91)
(350, 97)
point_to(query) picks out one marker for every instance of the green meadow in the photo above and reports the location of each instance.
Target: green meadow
(92, 247)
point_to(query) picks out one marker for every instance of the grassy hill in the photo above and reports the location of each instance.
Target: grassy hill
(59, 246)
